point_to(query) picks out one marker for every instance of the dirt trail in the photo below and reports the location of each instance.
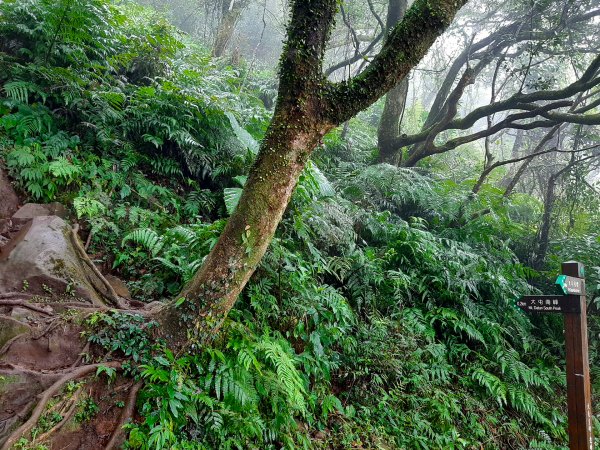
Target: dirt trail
(48, 286)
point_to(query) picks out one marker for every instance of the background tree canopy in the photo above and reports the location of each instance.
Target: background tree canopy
(338, 241)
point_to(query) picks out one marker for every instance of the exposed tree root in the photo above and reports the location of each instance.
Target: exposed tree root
(6, 347)
(53, 324)
(24, 304)
(146, 311)
(72, 406)
(15, 294)
(82, 354)
(111, 295)
(25, 409)
(141, 312)
(91, 310)
(118, 435)
(88, 241)
(23, 412)
(67, 305)
(16, 369)
(27, 414)
(48, 394)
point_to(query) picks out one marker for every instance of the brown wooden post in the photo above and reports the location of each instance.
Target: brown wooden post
(579, 392)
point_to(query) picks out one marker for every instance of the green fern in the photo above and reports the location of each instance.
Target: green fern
(494, 386)
(147, 238)
(21, 90)
(287, 373)
(231, 197)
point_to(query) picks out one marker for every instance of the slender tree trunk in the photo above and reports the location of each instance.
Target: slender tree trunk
(445, 89)
(395, 100)
(231, 11)
(390, 123)
(427, 147)
(544, 233)
(510, 187)
(516, 150)
(549, 201)
(512, 182)
(484, 174)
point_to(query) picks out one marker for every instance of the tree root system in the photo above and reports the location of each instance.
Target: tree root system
(46, 378)
(40, 362)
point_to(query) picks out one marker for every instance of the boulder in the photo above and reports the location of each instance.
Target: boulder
(10, 328)
(17, 391)
(30, 210)
(24, 314)
(41, 259)
(10, 225)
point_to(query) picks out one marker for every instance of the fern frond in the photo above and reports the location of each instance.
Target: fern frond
(147, 238)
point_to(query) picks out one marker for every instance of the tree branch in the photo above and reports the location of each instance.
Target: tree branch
(405, 46)
(508, 122)
(356, 57)
(516, 101)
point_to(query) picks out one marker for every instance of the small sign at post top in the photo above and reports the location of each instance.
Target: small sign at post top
(570, 285)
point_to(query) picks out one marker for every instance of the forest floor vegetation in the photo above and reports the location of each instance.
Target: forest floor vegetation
(373, 321)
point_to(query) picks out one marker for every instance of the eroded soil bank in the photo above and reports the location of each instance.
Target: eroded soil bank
(50, 394)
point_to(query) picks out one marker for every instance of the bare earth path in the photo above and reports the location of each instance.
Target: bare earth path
(49, 391)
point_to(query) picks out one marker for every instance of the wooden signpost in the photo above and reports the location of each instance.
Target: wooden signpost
(573, 307)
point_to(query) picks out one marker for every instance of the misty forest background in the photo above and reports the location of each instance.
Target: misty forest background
(382, 315)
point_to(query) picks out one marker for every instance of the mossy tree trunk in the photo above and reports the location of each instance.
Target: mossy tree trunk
(308, 106)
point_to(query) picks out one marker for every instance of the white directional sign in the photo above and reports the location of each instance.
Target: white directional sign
(571, 285)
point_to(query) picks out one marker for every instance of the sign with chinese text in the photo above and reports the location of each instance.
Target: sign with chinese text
(571, 285)
(549, 304)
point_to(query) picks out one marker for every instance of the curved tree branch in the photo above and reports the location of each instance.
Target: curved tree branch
(402, 50)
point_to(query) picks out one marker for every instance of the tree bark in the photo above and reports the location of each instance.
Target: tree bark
(390, 124)
(308, 106)
(544, 232)
(395, 100)
(231, 10)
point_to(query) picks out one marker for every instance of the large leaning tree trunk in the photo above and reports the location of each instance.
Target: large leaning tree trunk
(308, 106)
(395, 100)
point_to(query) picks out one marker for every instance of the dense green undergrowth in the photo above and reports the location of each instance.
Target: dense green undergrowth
(374, 321)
